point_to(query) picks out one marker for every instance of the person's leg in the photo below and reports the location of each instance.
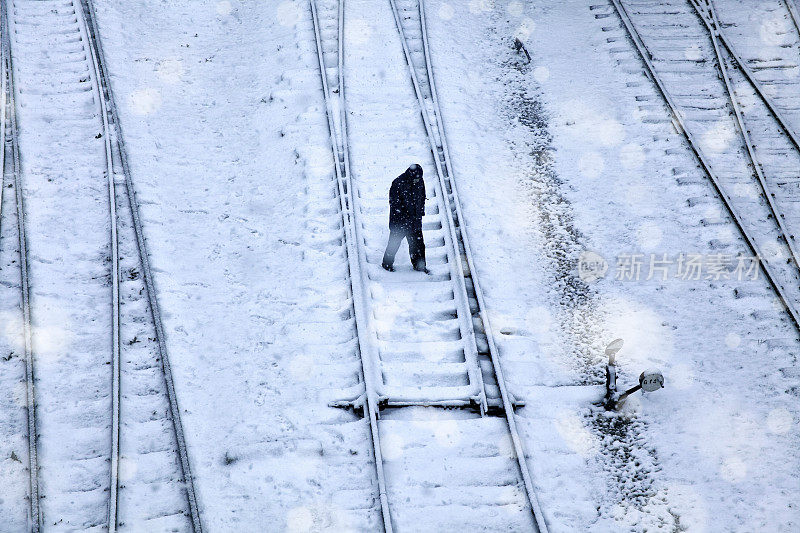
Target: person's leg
(416, 248)
(395, 238)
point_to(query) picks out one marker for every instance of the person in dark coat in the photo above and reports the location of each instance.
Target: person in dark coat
(406, 207)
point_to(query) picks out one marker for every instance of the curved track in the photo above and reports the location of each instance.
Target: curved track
(737, 128)
(102, 372)
(425, 342)
(161, 361)
(765, 44)
(331, 60)
(15, 277)
(792, 7)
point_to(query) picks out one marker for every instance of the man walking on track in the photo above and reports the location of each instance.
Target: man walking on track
(406, 207)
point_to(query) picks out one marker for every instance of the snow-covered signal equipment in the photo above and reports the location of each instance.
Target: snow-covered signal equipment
(649, 380)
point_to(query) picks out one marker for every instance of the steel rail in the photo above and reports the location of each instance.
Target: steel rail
(90, 19)
(350, 209)
(354, 256)
(651, 73)
(750, 75)
(457, 268)
(505, 396)
(34, 511)
(508, 406)
(741, 125)
(790, 5)
(3, 114)
(113, 492)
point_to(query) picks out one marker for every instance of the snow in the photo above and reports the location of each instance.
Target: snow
(13, 415)
(417, 315)
(67, 226)
(706, 458)
(224, 120)
(410, 309)
(240, 214)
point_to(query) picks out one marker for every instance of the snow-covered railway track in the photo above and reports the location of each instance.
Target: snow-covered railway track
(108, 433)
(765, 42)
(425, 341)
(740, 133)
(791, 5)
(18, 412)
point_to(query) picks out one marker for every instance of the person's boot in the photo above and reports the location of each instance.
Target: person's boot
(387, 266)
(420, 266)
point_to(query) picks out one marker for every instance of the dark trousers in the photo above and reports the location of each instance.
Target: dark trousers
(416, 245)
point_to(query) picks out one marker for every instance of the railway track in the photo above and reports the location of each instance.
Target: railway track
(16, 379)
(109, 442)
(766, 43)
(736, 126)
(791, 5)
(444, 458)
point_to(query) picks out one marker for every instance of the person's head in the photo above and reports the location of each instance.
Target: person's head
(415, 171)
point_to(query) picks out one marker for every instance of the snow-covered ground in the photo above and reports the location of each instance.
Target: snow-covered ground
(68, 228)
(225, 124)
(713, 451)
(13, 419)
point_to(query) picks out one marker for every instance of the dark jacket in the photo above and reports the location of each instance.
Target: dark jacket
(406, 202)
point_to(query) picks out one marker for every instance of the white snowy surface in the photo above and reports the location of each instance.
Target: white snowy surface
(224, 121)
(445, 470)
(714, 450)
(13, 416)
(68, 227)
(223, 115)
(420, 330)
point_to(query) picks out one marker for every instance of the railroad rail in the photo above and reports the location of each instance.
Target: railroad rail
(450, 365)
(792, 7)
(11, 163)
(79, 92)
(734, 166)
(111, 116)
(705, 8)
(115, 303)
(332, 77)
(419, 60)
(764, 90)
